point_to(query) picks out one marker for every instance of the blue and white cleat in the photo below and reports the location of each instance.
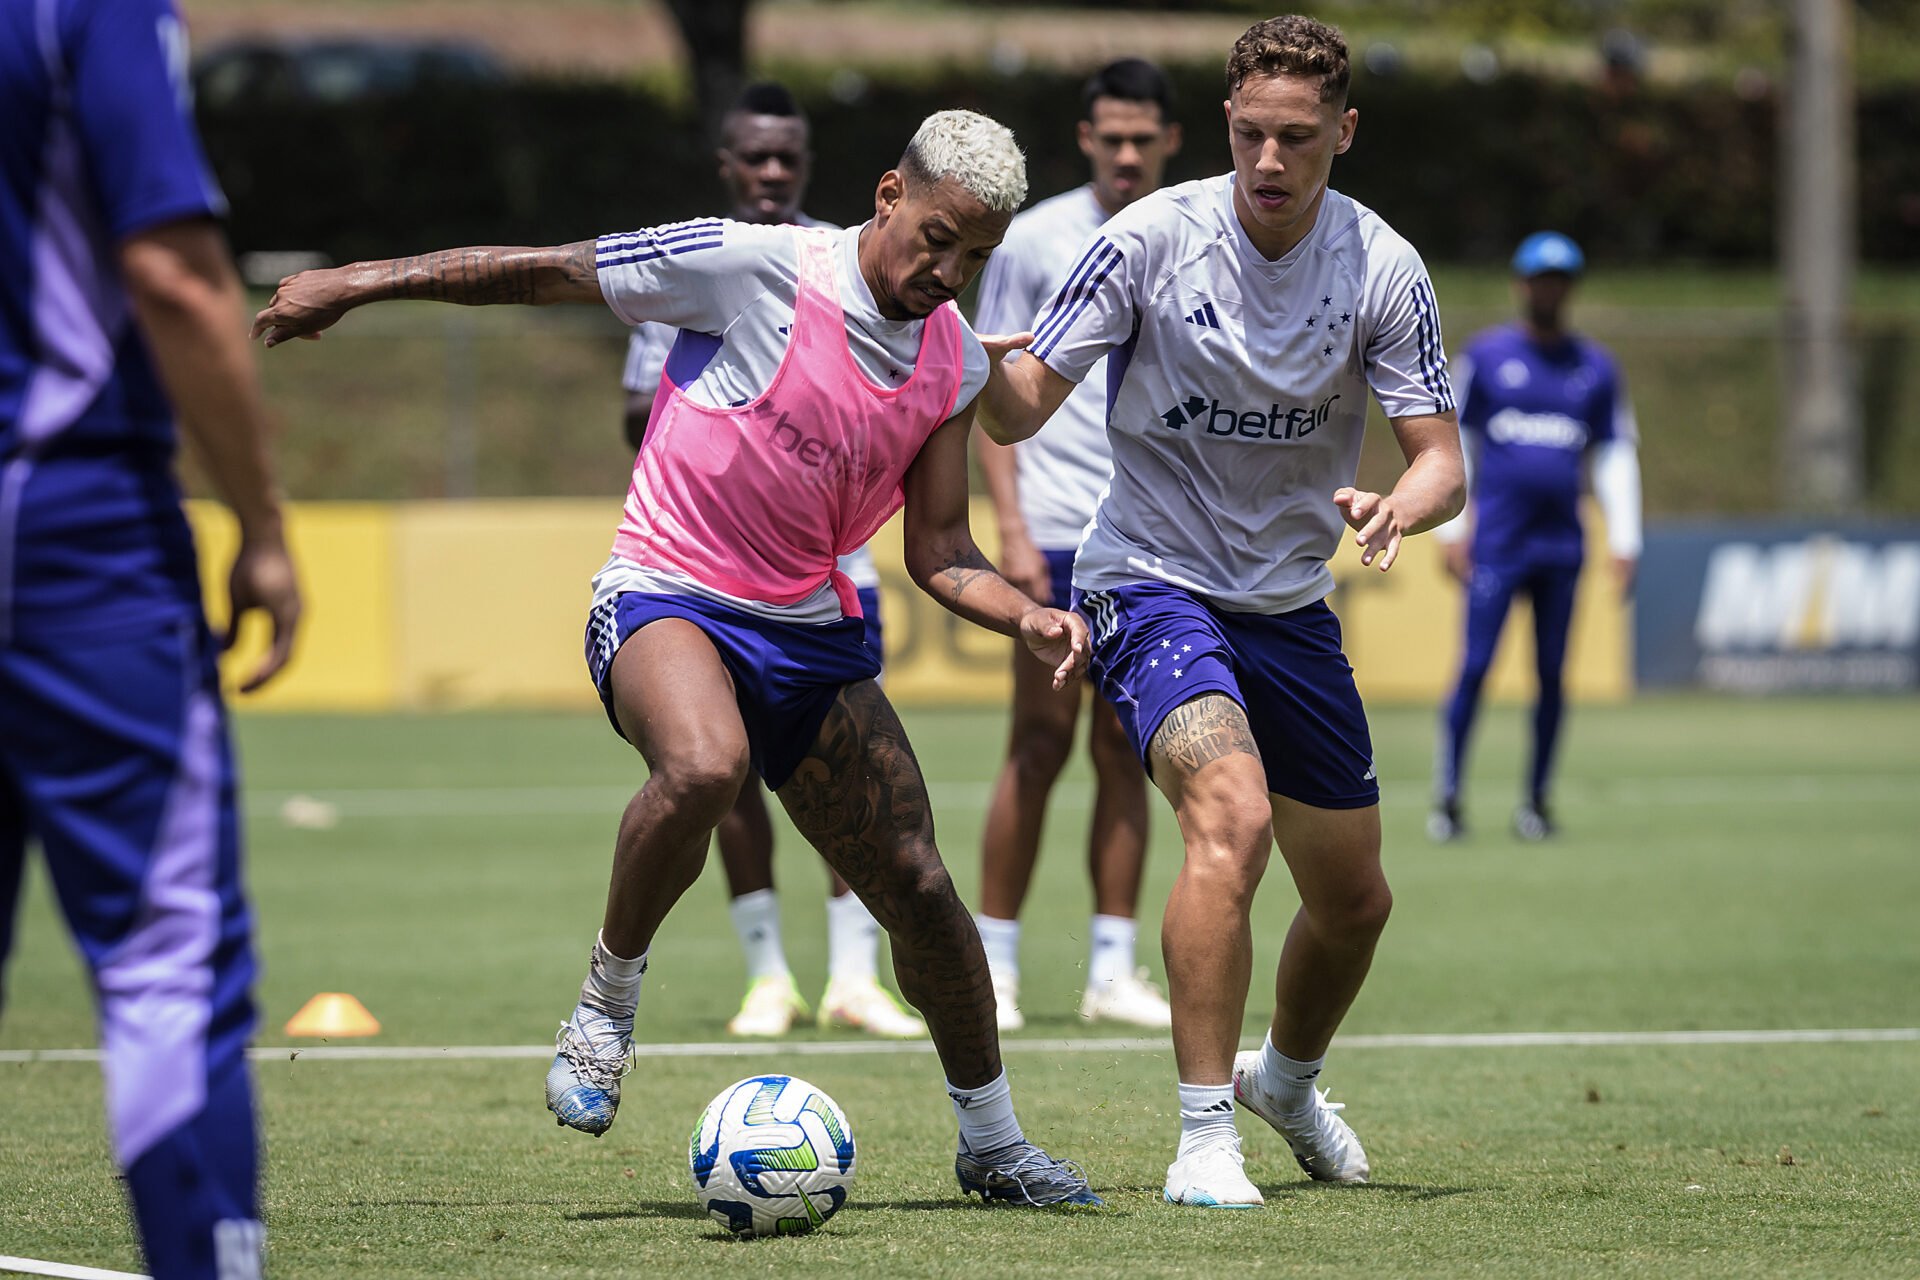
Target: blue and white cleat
(1323, 1143)
(1214, 1177)
(1021, 1173)
(583, 1085)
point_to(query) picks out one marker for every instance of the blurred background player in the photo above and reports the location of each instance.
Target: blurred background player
(1044, 491)
(822, 382)
(765, 158)
(1205, 572)
(121, 305)
(1537, 401)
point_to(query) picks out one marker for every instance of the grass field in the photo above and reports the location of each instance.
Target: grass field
(1727, 865)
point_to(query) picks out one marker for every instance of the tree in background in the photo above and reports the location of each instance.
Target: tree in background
(715, 32)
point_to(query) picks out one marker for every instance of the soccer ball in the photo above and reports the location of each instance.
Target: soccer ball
(771, 1155)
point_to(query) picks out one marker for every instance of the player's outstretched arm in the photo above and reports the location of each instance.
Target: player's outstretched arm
(942, 558)
(188, 303)
(311, 301)
(1020, 395)
(1431, 490)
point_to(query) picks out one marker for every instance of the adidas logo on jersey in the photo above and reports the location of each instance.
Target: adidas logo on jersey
(1274, 423)
(1204, 317)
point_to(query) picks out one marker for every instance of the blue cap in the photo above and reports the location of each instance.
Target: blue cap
(1545, 251)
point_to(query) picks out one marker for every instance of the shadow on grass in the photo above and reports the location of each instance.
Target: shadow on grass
(641, 1209)
(970, 1204)
(1404, 1190)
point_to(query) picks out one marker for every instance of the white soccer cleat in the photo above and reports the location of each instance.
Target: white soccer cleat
(862, 1004)
(769, 1009)
(594, 1051)
(1130, 999)
(1214, 1177)
(1321, 1141)
(1006, 1004)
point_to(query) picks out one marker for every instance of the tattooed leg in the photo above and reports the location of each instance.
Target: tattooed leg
(859, 799)
(1204, 758)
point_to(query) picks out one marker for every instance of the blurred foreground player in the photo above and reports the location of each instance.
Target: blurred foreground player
(765, 158)
(1538, 404)
(1044, 491)
(1249, 315)
(119, 306)
(820, 380)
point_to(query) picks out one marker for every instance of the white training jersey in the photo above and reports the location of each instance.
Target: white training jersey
(1062, 471)
(649, 342)
(729, 288)
(1239, 388)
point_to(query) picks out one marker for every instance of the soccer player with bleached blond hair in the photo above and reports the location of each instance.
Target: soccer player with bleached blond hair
(821, 380)
(1248, 317)
(765, 158)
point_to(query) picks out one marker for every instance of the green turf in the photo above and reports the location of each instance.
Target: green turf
(1726, 865)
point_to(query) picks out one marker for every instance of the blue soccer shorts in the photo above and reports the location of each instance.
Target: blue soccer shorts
(785, 675)
(1060, 577)
(1156, 646)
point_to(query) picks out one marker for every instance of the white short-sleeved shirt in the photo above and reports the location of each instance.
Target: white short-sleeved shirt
(1240, 388)
(647, 348)
(729, 288)
(1063, 470)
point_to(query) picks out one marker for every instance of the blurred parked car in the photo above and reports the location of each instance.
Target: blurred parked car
(334, 69)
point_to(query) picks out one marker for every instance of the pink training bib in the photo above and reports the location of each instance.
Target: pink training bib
(759, 501)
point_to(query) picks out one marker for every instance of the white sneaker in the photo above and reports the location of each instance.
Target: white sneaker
(770, 1006)
(862, 1004)
(1214, 1177)
(1130, 999)
(1321, 1141)
(1006, 1003)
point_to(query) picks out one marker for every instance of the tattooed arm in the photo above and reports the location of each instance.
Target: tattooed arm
(306, 303)
(943, 559)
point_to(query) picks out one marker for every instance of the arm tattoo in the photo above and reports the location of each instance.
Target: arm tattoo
(963, 569)
(472, 277)
(1197, 733)
(486, 276)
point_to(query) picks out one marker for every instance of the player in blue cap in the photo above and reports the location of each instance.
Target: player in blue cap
(1537, 401)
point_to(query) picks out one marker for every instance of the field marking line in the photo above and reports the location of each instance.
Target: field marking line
(35, 1267)
(1083, 1044)
(538, 801)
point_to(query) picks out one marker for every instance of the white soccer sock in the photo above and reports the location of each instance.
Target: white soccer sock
(986, 1115)
(1288, 1080)
(853, 940)
(756, 918)
(613, 983)
(1001, 938)
(1206, 1117)
(1112, 954)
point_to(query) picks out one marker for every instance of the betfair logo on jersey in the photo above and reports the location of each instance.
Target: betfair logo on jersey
(1272, 423)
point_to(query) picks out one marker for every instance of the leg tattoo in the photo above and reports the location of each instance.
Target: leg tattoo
(859, 799)
(1199, 732)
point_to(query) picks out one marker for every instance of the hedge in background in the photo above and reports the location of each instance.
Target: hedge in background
(1462, 169)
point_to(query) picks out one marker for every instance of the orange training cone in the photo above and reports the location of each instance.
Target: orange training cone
(333, 1013)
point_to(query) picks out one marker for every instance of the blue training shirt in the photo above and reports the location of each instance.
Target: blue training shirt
(98, 146)
(1529, 413)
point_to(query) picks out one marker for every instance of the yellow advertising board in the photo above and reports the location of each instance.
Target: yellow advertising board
(423, 605)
